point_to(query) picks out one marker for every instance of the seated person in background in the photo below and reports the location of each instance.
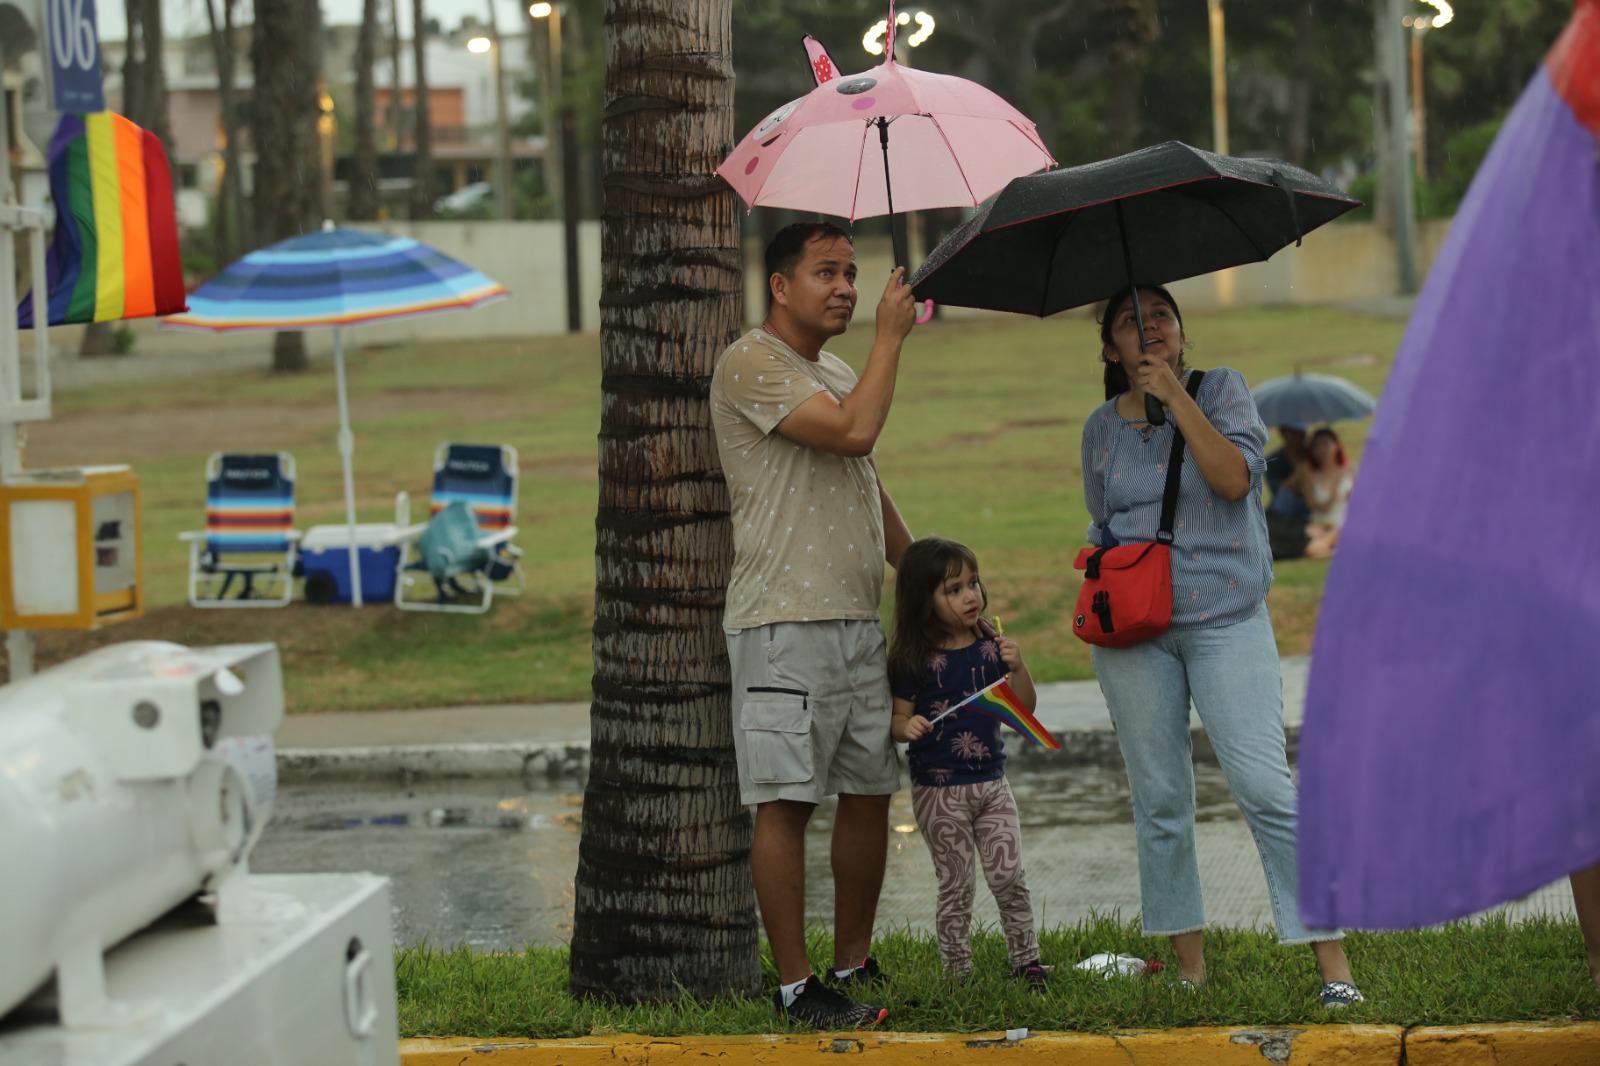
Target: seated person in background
(1281, 465)
(1323, 479)
(1286, 512)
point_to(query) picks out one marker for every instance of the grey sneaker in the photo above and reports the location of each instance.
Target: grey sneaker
(1339, 994)
(821, 1007)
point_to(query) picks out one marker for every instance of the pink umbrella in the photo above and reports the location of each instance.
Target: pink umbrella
(954, 144)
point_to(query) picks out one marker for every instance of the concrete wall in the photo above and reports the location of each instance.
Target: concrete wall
(1341, 263)
(526, 257)
(1347, 262)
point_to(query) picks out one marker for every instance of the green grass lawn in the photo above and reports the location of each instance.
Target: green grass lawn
(1489, 971)
(982, 446)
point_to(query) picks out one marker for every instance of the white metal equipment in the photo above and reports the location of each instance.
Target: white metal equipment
(132, 781)
(305, 975)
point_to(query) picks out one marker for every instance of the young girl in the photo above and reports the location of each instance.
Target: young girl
(944, 651)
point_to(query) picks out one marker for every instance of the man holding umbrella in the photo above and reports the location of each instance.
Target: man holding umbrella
(812, 528)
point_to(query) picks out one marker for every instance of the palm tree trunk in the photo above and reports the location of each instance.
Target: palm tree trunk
(664, 900)
(1301, 84)
(285, 135)
(1132, 26)
(422, 168)
(392, 116)
(232, 229)
(144, 76)
(363, 202)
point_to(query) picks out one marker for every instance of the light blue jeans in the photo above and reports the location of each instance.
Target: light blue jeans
(1233, 675)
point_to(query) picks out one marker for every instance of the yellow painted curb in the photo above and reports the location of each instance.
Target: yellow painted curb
(1505, 1045)
(1339, 1045)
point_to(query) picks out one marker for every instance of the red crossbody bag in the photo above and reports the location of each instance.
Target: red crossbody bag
(1127, 590)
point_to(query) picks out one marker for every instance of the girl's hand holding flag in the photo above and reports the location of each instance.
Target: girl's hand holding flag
(1002, 702)
(1010, 654)
(904, 729)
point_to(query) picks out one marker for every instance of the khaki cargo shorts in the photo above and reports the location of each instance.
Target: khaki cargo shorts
(811, 711)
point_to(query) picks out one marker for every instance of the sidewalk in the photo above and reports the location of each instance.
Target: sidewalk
(518, 740)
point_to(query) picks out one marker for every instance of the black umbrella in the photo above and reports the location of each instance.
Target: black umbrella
(1070, 237)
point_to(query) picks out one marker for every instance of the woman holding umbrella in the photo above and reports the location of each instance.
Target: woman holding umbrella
(1220, 650)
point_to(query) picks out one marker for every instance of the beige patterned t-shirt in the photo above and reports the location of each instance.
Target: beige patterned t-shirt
(807, 525)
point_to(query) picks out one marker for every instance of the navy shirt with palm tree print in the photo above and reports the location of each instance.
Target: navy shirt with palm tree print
(964, 748)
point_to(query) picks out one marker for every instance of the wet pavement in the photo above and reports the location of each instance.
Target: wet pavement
(490, 862)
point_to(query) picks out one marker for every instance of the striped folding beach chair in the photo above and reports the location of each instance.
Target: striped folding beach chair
(476, 482)
(249, 536)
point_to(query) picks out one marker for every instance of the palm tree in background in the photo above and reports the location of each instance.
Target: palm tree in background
(422, 173)
(284, 128)
(363, 202)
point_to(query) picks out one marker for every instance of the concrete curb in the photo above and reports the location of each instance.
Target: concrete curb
(1346, 1045)
(543, 760)
(529, 761)
(1504, 1045)
(536, 742)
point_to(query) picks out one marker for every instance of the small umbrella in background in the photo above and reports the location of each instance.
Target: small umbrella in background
(1304, 399)
(1071, 237)
(333, 279)
(889, 139)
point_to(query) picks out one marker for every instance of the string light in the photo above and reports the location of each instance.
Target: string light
(872, 40)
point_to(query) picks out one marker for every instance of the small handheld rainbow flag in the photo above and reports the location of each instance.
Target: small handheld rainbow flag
(115, 250)
(999, 701)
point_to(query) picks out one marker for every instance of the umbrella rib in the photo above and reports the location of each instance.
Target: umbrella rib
(855, 197)
(1044, 297)
(1223, 211)
(954, 158)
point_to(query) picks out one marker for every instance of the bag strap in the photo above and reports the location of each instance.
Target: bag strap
(1169, 498)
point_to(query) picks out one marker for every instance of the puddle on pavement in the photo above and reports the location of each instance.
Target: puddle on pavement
(490, 863)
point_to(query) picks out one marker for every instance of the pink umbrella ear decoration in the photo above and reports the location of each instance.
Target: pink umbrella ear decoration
(940, 141)
(822, 68)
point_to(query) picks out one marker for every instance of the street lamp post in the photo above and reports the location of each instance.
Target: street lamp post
(326, 127)
(1394, 138)
(546, 11)
(492, 44)
(1420, 25)
(1419, 113)
(562, 169)
(1224, 279)
(1219, 79)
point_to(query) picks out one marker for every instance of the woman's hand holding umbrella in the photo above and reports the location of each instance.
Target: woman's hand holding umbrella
(1155, 378)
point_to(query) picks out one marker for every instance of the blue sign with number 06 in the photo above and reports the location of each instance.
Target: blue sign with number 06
(76, 85)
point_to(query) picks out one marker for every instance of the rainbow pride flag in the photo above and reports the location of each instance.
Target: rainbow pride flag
(114, 254)
(1000, 701)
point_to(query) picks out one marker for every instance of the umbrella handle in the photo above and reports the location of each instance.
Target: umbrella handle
(897, 233)
(1154, 413)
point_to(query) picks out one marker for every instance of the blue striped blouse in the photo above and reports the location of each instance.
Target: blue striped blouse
(1221, 565)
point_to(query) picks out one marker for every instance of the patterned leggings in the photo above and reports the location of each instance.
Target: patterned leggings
(954, 818)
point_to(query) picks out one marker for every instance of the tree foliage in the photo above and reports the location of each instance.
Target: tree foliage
(1088, 72)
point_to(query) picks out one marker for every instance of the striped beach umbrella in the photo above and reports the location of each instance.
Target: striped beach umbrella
(332, 279)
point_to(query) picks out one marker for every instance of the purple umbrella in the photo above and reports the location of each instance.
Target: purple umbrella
(1450, 758)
